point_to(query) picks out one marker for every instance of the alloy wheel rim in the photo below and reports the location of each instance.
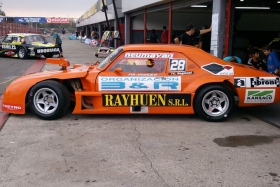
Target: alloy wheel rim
(21, 53)
(45, 101)
(215, 103)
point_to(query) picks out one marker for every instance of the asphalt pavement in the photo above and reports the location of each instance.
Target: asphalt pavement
(138, 150)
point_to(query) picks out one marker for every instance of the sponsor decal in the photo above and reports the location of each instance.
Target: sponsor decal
(142, 74)
(12, 107)
(58, 20)
(148, 55)
(259, 96)
(256, 82)
(218, 69)
(50, 50)
(8, 47)
(9, 53)
(182, 73)
(169, 83)
(146, 100)
(177, 65)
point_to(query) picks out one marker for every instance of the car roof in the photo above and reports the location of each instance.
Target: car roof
(23, 34)
(159, 47)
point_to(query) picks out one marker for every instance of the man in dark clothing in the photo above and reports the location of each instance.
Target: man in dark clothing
(188, 37)
(154, 37)
(205, 41)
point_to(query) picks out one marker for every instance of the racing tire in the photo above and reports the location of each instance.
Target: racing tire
(214, 103)
(48, 55)
(49, 100)
(22, 54)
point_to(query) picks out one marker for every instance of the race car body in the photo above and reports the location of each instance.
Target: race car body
(144, 79)
(27, 45)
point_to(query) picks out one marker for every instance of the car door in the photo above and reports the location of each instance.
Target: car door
(140, 79)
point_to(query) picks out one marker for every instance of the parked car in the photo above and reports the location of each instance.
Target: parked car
(144, 79)
(23, 45)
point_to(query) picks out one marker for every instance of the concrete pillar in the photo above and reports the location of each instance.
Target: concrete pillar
(115, 26)
(218, 28)
(99, 31)
(126, 29)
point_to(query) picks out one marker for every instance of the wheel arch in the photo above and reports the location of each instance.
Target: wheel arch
(225, 83)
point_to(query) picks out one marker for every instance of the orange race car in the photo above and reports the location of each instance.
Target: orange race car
(144, 79)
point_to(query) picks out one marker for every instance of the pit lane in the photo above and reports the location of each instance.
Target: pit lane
(137, 150)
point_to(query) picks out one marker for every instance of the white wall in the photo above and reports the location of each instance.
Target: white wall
(100, 16)
(259, 22)
(180, 20)
(129, 5)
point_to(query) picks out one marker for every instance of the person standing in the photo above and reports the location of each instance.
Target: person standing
(63, 34)
(189, 36)
(205, 41)
(154, 37)
(164, 36)
(272, 63)
(56, 40)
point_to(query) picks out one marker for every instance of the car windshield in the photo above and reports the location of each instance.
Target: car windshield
(110, 57)
(35, 38)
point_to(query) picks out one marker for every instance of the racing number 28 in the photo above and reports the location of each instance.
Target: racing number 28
(177, 64)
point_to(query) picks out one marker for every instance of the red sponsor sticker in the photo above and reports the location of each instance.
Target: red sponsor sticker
(12, 107)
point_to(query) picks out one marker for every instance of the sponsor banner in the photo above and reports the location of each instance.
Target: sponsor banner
(169, 83)
(146, 100)
(218, 69)
(48, 50)
(29, 20)
(58, 20)
(11, 107)
(256, 82)
(148, 55)
(259, 96)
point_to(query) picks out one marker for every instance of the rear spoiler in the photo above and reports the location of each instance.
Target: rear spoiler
(64, 63)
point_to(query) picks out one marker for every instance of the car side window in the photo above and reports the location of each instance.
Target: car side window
(139, 65)
(8, 39)
(15, 39)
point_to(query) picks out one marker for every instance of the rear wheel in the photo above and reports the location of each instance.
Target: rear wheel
(49, 100)
(48, 55)
(22, 53)
(214, 103)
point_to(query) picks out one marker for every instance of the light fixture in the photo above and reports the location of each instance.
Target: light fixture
(199, 6)
(278, 1)
(241, 0)
(252, 8)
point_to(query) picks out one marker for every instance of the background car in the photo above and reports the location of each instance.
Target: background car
(27, 45)
(144, 79)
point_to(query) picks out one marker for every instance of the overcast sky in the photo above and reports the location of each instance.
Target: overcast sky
(46, 8)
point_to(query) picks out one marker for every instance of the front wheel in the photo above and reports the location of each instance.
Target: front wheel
(214, 103)
(49, 100)
(22, 54)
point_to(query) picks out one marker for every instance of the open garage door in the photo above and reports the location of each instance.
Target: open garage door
(255, 23)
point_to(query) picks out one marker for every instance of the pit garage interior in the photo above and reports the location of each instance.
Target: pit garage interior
(248, 23)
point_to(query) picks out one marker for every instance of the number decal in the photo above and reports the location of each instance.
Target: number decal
(177, 65)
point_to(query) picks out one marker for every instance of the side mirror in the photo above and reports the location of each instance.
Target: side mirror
(118, 70)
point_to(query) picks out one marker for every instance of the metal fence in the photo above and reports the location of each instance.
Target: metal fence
(6, 27)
